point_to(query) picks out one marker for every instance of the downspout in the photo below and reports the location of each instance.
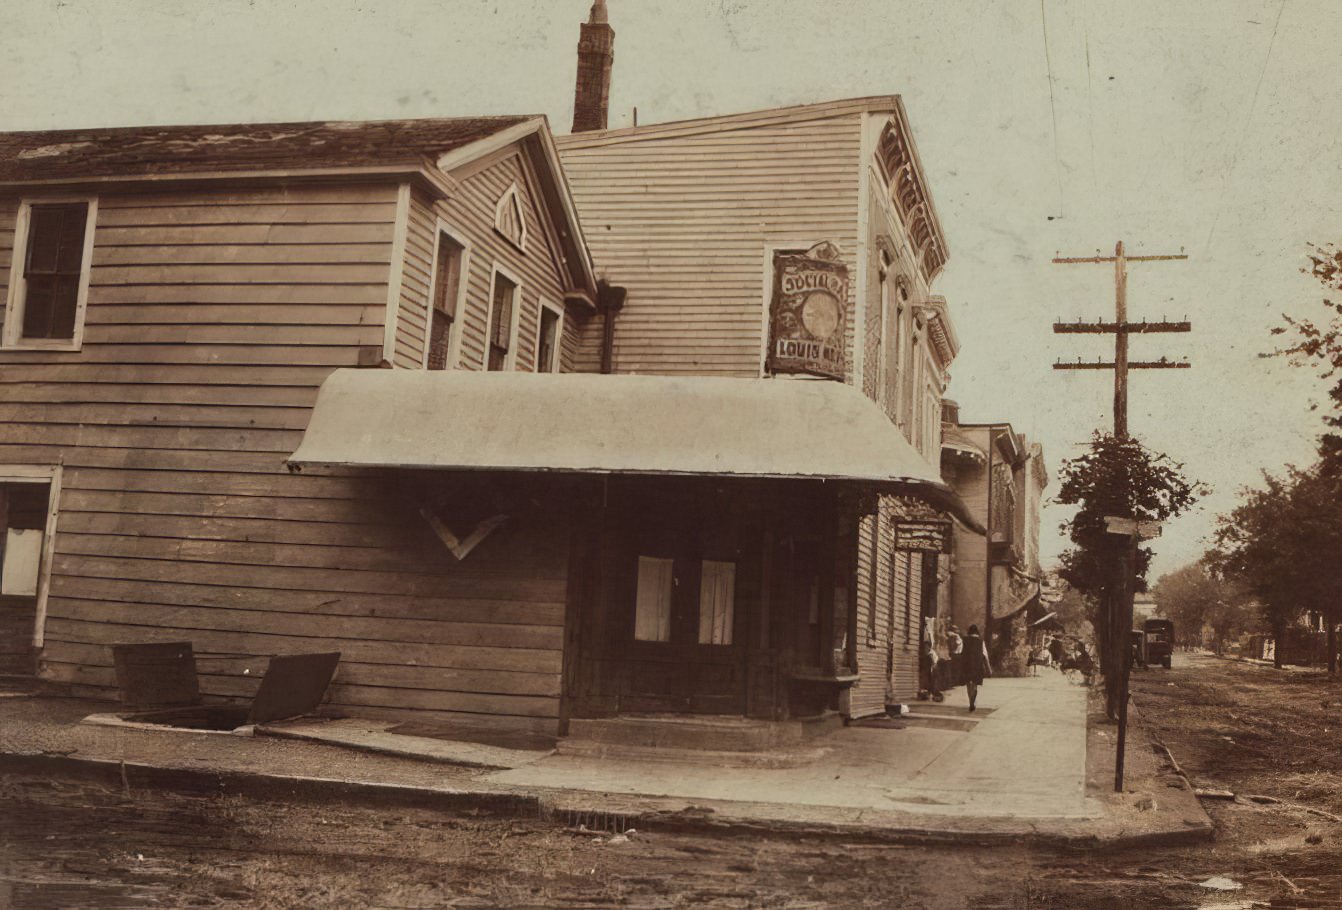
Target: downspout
(610, 300)
(988, 547)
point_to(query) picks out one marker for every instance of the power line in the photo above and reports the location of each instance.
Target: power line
(1052, 104)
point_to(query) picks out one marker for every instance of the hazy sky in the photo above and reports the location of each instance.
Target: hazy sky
(1210, 126)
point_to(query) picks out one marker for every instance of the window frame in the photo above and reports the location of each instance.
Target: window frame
(556, 355)
(510, 360)
(457, 236)
(51, 476)
(16, 295)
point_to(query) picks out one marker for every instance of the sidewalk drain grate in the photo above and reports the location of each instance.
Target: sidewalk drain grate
(595, 820)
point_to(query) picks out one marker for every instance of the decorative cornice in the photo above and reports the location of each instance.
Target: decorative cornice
(941, 330)
(908, 191)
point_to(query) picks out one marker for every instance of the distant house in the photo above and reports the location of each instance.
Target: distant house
(1001, 477)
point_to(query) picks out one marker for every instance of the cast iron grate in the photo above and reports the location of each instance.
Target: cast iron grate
(596, 820)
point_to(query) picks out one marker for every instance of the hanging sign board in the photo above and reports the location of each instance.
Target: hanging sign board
(809, 312)
(1130, 527)
(925, 536)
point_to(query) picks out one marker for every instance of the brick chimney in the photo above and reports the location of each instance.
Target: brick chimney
(596, 56)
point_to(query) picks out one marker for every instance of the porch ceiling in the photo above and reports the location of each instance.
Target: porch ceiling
(612, 424)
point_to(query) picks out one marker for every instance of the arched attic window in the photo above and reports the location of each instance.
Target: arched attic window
(509, 219)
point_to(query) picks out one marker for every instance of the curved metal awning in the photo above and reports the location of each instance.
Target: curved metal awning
(614, 424)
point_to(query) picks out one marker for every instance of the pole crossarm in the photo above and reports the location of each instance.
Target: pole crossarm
(1118, 604)
(1113, 328)
(1073, 260)
(1132, 365)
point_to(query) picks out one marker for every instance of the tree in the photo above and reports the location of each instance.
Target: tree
(1282, 544)
(1319, 344)
(1192, 597)
(1115, 477)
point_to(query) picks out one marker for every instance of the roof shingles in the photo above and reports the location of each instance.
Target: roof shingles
(144, 151)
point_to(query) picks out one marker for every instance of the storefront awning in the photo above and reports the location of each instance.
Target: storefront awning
(599, 424)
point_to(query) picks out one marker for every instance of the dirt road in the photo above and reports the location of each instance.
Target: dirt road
(1243, 728)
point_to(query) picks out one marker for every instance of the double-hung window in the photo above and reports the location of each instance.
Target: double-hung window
(49, 277)
(502, 306)
(548, 335)
(658, 580)
(447, 283)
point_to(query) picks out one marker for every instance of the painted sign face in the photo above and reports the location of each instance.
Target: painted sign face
(809, 312)
(927, 536)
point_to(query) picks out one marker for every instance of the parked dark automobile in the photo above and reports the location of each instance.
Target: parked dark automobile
(1159, 634)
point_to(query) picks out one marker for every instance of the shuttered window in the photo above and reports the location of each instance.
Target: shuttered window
(501, 322)
(652, 605)
(717, 602)
(446, 290)
(52, 268)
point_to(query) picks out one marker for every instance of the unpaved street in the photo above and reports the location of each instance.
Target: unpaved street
(1243, 728)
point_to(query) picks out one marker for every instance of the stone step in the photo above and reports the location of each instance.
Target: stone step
(705, 732)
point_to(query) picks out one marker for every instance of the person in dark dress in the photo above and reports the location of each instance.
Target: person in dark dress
(976, 665)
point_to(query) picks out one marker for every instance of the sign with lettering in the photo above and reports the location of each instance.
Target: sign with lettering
(809, 312)
(925, 536)
(1129, 527)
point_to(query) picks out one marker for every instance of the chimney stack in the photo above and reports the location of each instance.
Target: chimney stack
(596, 57)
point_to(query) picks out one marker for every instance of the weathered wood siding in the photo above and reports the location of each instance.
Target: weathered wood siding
(888, 616)
(470, 214)
(684, 221)
(213, 317)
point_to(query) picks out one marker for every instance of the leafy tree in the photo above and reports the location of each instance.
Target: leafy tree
(1282, 544)
(1192, 597)
(1115, 477)
(1319, 344)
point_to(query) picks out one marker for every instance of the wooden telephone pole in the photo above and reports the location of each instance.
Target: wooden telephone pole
(1119, 619)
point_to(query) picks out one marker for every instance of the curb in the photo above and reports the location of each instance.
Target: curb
(255, 785)
(563, 809)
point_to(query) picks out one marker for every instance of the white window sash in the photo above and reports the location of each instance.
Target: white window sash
(652, 604)
(717, 602)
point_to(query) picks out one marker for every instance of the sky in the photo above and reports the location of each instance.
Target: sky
(1046, 127)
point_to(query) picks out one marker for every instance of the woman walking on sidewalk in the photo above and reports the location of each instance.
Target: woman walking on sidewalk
(976, 665)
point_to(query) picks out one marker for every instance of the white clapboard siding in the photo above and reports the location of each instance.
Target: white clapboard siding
(683, 219)
(212, 319)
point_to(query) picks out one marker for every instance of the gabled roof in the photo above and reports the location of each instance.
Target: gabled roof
(153, 150)
(421, 151)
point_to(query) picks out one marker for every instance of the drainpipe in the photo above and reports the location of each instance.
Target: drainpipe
(610, 300)
(988, 547)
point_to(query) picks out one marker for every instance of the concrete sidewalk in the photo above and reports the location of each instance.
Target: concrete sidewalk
(1025, 757)
(1018, 770)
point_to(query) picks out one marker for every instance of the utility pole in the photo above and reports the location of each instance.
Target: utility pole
(1120, 601)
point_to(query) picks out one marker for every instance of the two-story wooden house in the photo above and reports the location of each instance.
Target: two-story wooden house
(173, 300)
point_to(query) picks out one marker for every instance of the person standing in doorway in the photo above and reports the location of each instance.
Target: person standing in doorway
(955, 645)
(976, 665)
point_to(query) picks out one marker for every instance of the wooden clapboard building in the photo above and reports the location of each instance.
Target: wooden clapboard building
(789, 246)
(281, 388)
(1000, 476)
(173, 300)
